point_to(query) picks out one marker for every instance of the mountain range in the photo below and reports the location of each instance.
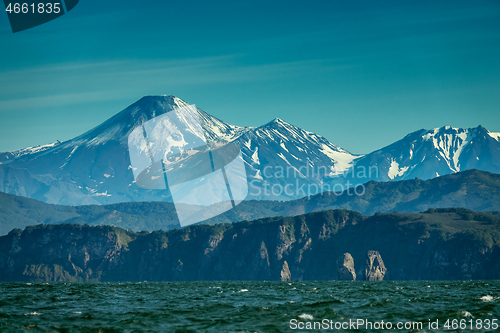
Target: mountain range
(472, 189)
(427, 154)
(95, 168)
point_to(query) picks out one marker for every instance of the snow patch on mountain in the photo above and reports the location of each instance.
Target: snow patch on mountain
(33, 150)
(282, 145)
(69, 157)
(395, 170)
(341, 159)
(466, 139)
(255, 156)
(449, 143)
(284, 158)
(495, 136)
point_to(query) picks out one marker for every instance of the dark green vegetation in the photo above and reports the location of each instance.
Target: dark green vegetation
(19, 212)
(473, 189)
(442, 244)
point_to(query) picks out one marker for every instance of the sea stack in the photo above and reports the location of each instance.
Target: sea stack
(374, 268)
(285, 272)
(345, 268)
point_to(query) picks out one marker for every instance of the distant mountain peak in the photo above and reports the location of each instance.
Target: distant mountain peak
(168, 99)
(436, 152)
(276, 122)
(448, 128)
(121, 124)
(152, 106)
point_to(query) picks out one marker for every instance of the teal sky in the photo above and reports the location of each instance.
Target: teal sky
(361, 73)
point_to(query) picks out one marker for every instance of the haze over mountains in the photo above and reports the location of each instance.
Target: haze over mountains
(472, 189)
(94, 168)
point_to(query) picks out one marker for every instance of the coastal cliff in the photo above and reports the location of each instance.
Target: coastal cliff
(441, 244)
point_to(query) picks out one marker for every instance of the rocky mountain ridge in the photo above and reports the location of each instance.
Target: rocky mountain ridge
(432, 153)
(444, 244)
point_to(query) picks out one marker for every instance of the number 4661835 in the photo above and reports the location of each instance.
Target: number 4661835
(41, 8)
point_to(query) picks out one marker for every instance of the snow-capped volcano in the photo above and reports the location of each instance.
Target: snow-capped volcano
(118, 127)
(94, 168)
(431, 153)
(282, 161)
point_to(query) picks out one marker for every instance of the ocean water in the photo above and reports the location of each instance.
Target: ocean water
(250, 306)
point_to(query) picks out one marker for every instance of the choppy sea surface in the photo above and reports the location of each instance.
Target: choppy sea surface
(251, 306)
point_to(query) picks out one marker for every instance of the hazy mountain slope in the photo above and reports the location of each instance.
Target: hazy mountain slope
(472, 189)
(19, 212)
